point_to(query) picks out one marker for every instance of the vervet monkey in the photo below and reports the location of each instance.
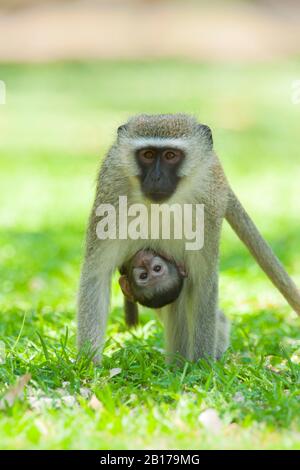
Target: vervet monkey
(151, 280)
(170, 159)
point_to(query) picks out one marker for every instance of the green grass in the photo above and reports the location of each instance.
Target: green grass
(58, 122)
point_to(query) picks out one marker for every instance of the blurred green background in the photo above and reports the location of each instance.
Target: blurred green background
(58, 121)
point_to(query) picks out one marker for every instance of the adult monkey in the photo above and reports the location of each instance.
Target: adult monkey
(170, 159)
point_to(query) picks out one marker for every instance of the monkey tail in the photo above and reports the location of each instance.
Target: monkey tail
(131, 313)
(261, 251)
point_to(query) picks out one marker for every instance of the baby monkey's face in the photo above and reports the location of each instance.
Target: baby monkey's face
(149, 269)
(151, 279)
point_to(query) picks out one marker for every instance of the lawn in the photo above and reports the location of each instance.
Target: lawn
(57, 123)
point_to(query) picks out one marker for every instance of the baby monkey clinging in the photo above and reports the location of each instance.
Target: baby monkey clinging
(151, 279)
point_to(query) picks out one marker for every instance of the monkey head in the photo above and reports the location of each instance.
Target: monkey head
(159, 151)
(159, 171)
(151, 279)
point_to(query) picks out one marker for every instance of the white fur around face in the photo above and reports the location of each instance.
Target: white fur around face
(141, 142)
(195, 164)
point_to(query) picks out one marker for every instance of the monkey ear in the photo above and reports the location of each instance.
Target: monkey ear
(182, 270)
(205, 131)
(122, 129)
(125, 287)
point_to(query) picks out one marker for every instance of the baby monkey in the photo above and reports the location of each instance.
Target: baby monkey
(151, 279)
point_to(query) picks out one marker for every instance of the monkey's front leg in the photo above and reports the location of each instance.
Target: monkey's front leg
(93, 304)
(203, 321)
(203, 313)
(191, 323)
(174, 318)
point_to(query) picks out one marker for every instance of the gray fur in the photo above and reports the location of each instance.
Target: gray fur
(194, 326)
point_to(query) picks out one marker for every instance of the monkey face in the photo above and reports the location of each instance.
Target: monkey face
(159, 171)
(151, 280)
(149, 270)
(155, 282)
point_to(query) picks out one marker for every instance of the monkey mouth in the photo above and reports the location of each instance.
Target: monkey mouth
(158, 196)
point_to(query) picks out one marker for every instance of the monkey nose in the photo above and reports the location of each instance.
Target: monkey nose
(156, 178)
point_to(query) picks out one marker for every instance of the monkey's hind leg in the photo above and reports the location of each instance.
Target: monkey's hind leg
(131, 313)
(223, 333)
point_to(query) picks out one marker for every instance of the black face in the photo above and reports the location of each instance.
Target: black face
(159, 171)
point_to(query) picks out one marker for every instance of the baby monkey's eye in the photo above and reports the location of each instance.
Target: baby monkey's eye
(157, 268)
(143, 275)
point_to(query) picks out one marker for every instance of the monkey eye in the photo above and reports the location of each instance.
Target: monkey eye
(143, 276)
(172, 156)
(157, 268)
(147, 155)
